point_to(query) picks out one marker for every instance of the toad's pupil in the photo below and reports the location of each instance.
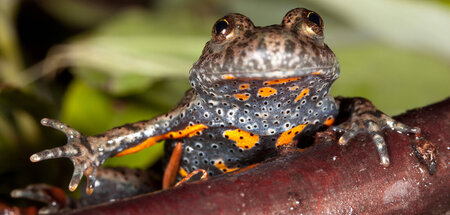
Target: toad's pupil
(313, 17)
(221, 26)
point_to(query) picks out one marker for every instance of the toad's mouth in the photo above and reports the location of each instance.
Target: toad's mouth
(273, 73)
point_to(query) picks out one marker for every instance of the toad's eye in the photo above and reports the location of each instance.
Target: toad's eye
(221, 27)
(315, 18)
(230, 27)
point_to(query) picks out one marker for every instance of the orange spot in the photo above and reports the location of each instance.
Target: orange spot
(243, 86)
(280, 81)
(182, 172)
(303, 93)
(228, 77)
(288, 136)
(221, 165)
(329, 122)
(293, 88)
(246, 168)
(266, 91)
(242, 97)
(318, 72)
(243, 139)
(187, 132)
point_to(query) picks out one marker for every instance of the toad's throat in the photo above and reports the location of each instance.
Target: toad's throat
(262, 74)
(257, 90)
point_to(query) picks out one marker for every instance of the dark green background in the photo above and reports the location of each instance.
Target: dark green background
(100, 64)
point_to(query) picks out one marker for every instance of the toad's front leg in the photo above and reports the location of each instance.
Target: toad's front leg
(365, 118)
(88, 153)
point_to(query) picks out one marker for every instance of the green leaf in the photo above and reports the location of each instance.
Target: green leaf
(131, 52)
(92, 112)
(83, 105)
(394, 79)
(416, 25)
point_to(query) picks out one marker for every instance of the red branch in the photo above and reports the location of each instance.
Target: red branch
(327, 179)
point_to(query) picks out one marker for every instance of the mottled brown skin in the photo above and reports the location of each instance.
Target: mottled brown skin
(255, 90)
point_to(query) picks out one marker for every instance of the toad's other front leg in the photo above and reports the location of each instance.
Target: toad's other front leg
(88, 153)
(365, 118)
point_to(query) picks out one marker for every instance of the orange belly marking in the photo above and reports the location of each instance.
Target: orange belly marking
(288, 136)
(243, 139)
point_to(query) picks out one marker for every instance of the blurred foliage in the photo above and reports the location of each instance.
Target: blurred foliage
(129, 61)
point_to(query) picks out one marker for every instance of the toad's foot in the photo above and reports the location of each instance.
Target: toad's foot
(365, 118)
(54, 198)
(203, 177)
(78, 149)
(425, 151)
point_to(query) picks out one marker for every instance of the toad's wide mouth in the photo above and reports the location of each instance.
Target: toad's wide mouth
(273, 73)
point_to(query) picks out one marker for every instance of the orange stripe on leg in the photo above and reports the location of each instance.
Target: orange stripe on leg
(147, 143)
(172, 167)
(189, 131)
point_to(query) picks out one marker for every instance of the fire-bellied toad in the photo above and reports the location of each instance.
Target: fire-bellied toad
(254, 91)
